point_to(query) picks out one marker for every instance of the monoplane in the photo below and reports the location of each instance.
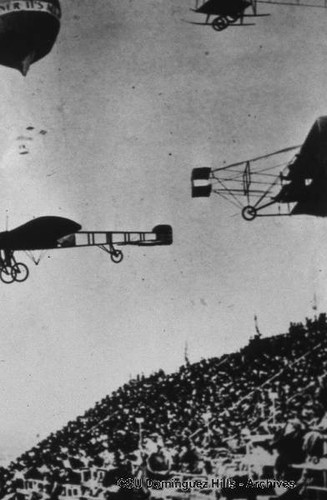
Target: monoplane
(47, 233)
(273, 184)
(229, 12)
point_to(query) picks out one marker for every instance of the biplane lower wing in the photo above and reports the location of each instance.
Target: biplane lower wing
(315, 207)
(231, 25)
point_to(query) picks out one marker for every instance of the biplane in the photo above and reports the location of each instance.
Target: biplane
(47, 233)
(231, 12)
(275, 184)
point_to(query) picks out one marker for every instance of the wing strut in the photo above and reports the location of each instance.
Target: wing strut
(254, 6)
(247, 181)
(35, 258)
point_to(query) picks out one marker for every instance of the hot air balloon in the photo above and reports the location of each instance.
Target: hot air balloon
(28, 31)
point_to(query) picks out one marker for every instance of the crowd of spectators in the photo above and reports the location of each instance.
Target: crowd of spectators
(213, 405)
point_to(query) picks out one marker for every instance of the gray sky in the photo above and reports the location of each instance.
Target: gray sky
(133, 98)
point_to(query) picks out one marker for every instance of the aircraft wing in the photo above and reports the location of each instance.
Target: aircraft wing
(314, 205)
(38, 234)
(307, 174)
(322, 4)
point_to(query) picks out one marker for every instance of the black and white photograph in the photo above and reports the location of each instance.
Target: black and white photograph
(163, 250)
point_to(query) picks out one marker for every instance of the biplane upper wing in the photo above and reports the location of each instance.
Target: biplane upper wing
(321, 4)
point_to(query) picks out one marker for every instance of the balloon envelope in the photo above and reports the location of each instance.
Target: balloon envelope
(28, 31)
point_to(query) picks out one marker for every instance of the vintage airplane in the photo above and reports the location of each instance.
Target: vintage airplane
(45, 233)
(273, 184)
(228, 12)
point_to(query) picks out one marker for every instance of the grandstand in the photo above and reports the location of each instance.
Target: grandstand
(256, 414)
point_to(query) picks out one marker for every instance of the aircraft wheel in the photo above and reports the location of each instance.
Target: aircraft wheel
(117, 256)
(220, 23)
(249, 213)
(21, 271)
(7, 274)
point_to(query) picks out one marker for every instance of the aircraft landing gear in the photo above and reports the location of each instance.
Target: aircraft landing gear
(220, 23)
(249, 213)
(14, 271)
(7, 275)
(21, 272)
(115, 255)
